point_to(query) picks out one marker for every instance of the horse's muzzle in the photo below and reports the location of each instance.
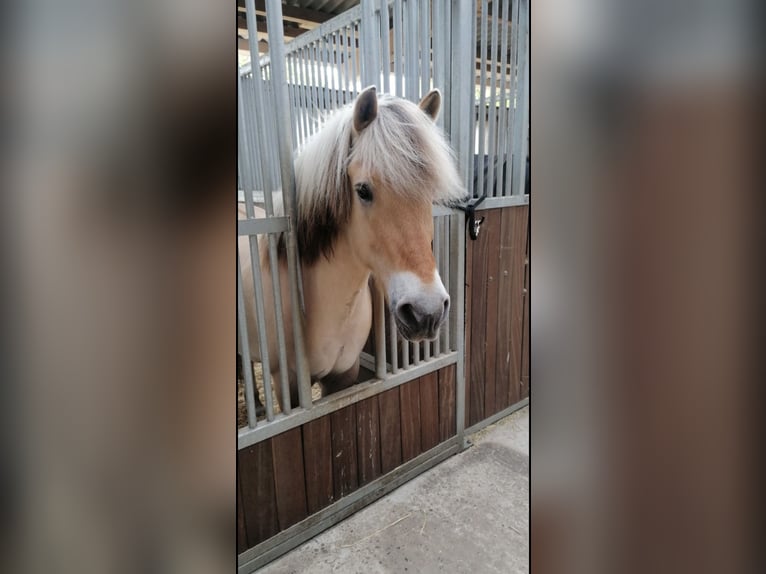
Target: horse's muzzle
(419, 319)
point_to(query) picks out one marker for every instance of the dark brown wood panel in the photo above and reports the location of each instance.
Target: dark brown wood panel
(241, 530)
(368, 439)
(344, 464)
(317, 457)
(447, 427)
(520, 217)
(503, 382)
(289, 477)
(410, 411)
(390, 430)
(492, 229)
(429, 411)
(475, 377)
(525, 355)
(259, 501)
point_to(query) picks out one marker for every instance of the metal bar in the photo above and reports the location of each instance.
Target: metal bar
(262, 225)
(247, 366)
(458, 253)
(497, 416)
(392, 342)
(447, 100)
(439, 248)
(350, 78)
(368, 38)
(524, 130)
(379, 323)
(277, 48)
(245, 164)
(416, 353)
(425, 49)
(405, 352)
(505, 201)
(438, 51)
(398, 57)
(323, 69)
(492, 111)
(282, 542)
(341, 63)
(521, 94)
(503, 113)
(314, 86)
(482, 109)
(354, 57)
(513, 88)
(339, 400)
(336, 70)
(411, 52)
(385, 49)
(446, 256)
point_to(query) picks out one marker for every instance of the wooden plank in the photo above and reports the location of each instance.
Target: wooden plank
(259, 501)
(409, 394)
(390, 430)
(503, 383)
(492, 228)
(478, 324)
(368, 439)
(447, 415)
(289, 477)
(429, 411)
(344, 465)
(520, 218)
(317, 457)
(525, 350)
(241, 529)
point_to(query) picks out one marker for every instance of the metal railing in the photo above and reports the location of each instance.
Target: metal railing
(406, 48)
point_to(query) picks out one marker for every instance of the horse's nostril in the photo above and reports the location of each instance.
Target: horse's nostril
(407, 314)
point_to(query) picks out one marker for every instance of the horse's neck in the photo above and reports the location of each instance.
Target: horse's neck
(333, 285)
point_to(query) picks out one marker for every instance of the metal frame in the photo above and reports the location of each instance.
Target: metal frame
(318, 72)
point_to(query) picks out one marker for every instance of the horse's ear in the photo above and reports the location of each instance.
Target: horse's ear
(431, 103)
(365, 108)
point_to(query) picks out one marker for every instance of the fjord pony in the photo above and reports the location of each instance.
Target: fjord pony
(366, 183)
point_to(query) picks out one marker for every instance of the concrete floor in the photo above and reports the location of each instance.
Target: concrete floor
(468, 514)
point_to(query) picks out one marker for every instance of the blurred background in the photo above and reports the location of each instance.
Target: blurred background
(119, 161)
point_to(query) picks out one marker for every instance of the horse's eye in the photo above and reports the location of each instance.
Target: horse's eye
(364, 192)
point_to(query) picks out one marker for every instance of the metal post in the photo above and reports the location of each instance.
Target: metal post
(279, 81)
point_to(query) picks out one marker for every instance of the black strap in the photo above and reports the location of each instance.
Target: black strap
(473, 224)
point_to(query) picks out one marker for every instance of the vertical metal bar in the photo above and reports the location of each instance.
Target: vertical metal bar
(521, 101)
(368, 38)
(314, 74)
(398, 57)
(458, 240)
(462, 84)
(323, 69)
(336, 70)
(260, 321)
(392, 342)
(445, 266)
(412, 85)
(349, 65)
(245, 163)
(290, 65)
(379, 323)
(502, 121)
(277, 48)
(492, 147)
(416, 353)
(481, 111)
(438, 249)
(438, 51)
(302, 94)
(385, 50)
(446, 31)
(245, 342)
(512, 89)
(405, 352)
(425, 49)
(524, 126)
(341, 64)
(355, 54)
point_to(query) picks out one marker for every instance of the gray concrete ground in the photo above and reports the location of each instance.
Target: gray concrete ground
(468, 514)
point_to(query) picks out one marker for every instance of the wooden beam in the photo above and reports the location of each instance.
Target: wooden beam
(289, 31)
(244, 44)
(304, 16)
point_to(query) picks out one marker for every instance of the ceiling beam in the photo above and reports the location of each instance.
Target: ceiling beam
(289, 31)
(304, 16)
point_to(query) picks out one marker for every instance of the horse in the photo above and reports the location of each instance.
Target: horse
(365, 186)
